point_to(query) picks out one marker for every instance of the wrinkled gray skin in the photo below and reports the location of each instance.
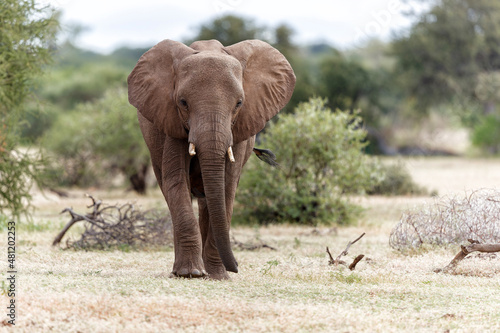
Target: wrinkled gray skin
(214, 97)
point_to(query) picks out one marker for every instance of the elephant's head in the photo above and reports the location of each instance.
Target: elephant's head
(214, 97)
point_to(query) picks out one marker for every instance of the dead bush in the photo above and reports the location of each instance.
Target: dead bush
(450, 220)
(114, 226)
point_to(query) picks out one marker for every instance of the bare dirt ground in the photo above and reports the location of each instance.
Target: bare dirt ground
(292, 289)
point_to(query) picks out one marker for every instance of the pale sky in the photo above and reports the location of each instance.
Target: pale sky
(139, 23)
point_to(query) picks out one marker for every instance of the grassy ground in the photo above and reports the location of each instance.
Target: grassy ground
(289, 290)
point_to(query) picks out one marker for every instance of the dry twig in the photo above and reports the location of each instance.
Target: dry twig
(337, 261)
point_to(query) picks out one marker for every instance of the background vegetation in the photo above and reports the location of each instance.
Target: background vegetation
(97, 140)
(446, 64)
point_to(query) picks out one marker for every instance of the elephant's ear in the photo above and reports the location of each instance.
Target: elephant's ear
(268, 82)
(151, 86)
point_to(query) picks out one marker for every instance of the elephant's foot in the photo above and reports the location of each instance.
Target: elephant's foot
(189, 274)
(189, 269)
(219, 276)
(217, 272)
(215, 269)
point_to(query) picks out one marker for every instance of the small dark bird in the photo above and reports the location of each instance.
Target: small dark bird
(266, 156)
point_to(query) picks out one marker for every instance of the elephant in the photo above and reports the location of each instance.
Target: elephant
(199, 109)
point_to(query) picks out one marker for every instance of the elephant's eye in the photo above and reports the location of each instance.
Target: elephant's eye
(184, 103)
(238, 104)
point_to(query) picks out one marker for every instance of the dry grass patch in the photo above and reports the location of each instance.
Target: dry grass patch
(289, 290)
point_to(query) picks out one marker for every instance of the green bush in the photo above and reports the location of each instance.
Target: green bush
(39, 117)
(97, 140)
(486, 134)
(396, 180)
(70, 146)
(321, 160)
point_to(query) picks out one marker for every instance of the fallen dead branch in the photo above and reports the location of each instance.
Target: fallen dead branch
(466, 250)
(338, 261)
(112, 225)
(352, 266)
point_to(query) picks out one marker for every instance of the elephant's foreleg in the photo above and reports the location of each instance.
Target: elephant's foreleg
(175, 187)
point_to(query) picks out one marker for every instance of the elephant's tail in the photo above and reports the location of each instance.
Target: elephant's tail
(267, 156)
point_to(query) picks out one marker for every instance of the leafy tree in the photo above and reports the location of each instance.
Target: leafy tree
(452, 56)
(66, 87)
(117, 137)
(127, 57)
(70, 147)
(344, 81)
(486, 134)
(97, 139)
(229, 30)
(27, 34)
(305, 87)
(486, 130)
(443, 54)
(68, 54)
(77, 77)
(321, 157)
(349, 85)
(282, 37)
(39, 117)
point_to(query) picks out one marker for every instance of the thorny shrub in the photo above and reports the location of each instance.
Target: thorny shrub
(450, 220)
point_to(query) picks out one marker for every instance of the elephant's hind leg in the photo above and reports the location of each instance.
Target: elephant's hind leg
(211, 258)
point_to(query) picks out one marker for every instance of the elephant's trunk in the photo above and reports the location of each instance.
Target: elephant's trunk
(211, 147)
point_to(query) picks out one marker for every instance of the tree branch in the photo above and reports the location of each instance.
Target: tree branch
(466, 250)
(355, 261)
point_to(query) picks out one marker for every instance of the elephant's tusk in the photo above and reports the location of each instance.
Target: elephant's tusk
(192, 151)
(230, 154)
